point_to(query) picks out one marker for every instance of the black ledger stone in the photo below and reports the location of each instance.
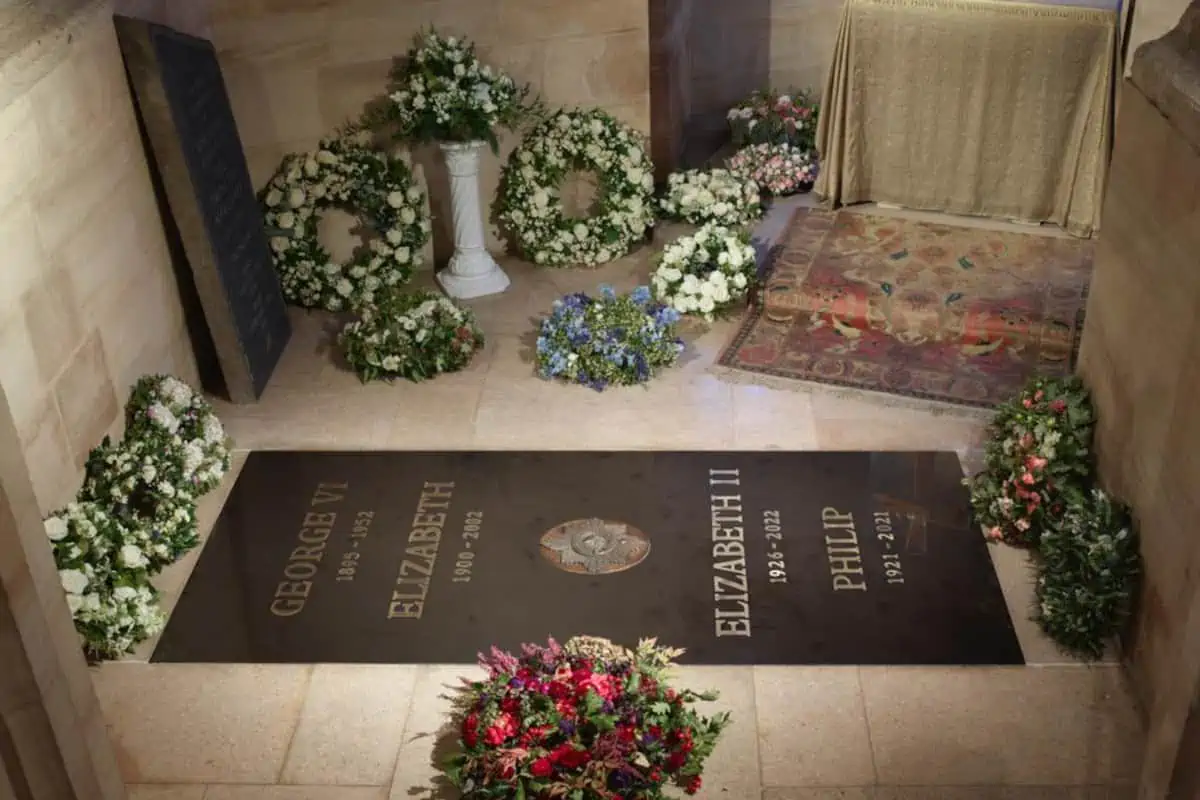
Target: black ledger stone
(197, 154)
(742, 558)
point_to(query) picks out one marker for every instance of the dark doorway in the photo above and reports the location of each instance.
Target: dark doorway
(705, 56)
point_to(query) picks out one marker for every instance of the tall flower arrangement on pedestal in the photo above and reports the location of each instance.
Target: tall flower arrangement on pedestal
(444, 94)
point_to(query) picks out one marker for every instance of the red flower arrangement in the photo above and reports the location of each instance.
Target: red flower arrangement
(769, 117)
(583, 721)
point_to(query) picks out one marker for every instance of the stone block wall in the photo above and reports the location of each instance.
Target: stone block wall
(88, 300)
(803, 35)
(1141, 358)
(297, 71)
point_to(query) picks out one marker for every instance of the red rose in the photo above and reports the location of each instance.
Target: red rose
(510, 704)
(676, 760)
(541, 768)
(1059, 406)
(568, 757)
(625, 734)
(504, 727)
(470, 730)
(693, 785)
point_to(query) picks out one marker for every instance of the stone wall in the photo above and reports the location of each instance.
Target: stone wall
(803, 35)
(1141, 357)
(297, 71)
(88, 301)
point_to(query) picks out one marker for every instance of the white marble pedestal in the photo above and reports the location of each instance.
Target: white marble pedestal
(472, 271)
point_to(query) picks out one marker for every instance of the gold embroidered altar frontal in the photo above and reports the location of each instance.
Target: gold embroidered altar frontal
(979, 107)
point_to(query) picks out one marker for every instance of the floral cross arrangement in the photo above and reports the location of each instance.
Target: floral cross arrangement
(769, 117)
(611, 340)
(444, 93)
(583, 721)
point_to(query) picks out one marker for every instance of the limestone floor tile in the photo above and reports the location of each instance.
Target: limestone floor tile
(732, 769)
(350, 729)
(863, 422)
(773, 419)
(812, 728)
(429, 735)
(434, 417)
(1016, 572)
(150, 791)
(518, 409)
(980, 793)
(970, 726)
(227, 792)
(185, 723)
(1119, 735)
(308, 420)
(848, 793)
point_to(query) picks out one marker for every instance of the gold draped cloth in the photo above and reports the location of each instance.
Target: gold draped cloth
(979, 107)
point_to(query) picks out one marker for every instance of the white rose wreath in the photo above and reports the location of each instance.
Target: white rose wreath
(344, 173)
(718, 195)
(530, 209)
(705, 273)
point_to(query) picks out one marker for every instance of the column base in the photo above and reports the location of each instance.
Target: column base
(472, 275)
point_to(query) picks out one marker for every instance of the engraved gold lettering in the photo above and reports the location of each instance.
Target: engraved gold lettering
(424, 536)
(287, 607)
(302, 563)
(731, 609)
(734, 627)
(842, 551)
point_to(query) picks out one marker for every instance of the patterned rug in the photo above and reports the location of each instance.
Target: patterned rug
(937, 312)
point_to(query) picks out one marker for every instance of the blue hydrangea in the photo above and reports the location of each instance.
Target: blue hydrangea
(612, 339)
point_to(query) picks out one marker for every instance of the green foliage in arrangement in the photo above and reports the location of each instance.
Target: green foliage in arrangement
(1038, 460)
(136, 513)
(1089, 570)
(413, 335)
(1037, 490)
(442, 92)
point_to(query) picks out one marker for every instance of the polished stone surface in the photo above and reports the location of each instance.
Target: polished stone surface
(738, 557)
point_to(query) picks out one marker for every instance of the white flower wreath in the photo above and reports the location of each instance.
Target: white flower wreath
(705, 273)
(718, 195)
(344, 173)
(529, 206)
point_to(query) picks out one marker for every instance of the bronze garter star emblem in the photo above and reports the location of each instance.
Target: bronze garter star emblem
(594, 546)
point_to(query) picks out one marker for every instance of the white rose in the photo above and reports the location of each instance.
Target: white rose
(403, 255)
(273, 197)
(326, 157)
(396, 199)
(739, 280)
(580, 230)
(413, 194)
(707, 304)
(73, 581)
(286, 220)
(56, 528)
(344, 287)
(408, 216)
(310, 167)
(296, 198)
(394, 236)
(132, 557)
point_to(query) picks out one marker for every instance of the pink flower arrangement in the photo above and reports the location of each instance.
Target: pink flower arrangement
(778, 169)
(768, 117)
(587, 720)
(1037, 461)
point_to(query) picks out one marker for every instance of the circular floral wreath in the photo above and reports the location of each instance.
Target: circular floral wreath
(529, 206)
(705, 273)
(413, 335)
(717, 195)
(379, 189)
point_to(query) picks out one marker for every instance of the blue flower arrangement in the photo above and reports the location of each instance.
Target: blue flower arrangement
(621, 340)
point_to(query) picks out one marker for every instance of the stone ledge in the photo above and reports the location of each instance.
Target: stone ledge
(1167, 72)
(34, 38)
